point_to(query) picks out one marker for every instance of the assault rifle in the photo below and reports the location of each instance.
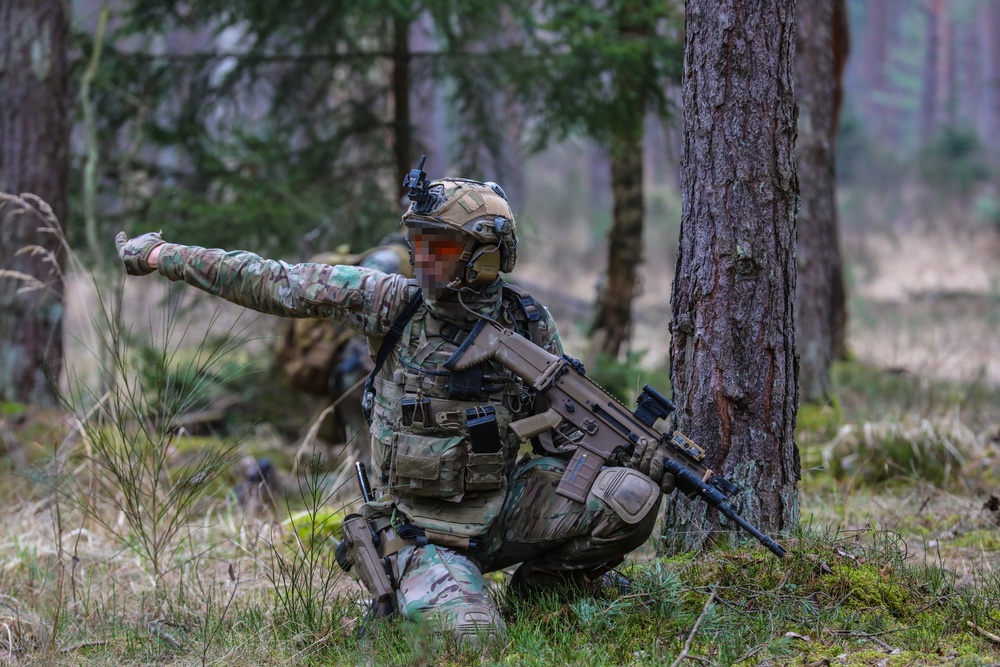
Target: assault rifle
(610, 430)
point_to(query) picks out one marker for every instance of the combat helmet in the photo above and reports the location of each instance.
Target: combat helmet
(466, 225)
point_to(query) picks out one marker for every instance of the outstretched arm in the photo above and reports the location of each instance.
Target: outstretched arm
(362, 299)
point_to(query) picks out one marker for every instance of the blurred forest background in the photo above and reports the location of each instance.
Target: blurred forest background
(286, 128)
(286, 131)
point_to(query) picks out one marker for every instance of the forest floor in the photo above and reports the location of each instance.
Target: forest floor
(895, 564)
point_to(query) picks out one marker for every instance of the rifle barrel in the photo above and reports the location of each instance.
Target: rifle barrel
(771, 545)
(692, 485)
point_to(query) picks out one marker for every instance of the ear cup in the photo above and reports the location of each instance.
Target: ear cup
(484, 267)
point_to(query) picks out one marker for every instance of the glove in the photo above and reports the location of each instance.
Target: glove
(642, 455)
(647, 458)
(134, 253)
(664, 479)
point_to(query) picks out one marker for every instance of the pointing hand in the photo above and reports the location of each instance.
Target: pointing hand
(134, 253)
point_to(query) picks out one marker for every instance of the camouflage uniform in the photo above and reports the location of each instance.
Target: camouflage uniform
(466, 511)
(325, 359)
(508, 510)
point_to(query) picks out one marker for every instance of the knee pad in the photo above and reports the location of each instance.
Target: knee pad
(476, 624)
(629, 493)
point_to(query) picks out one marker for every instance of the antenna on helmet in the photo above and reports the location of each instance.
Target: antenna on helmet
(418, 184)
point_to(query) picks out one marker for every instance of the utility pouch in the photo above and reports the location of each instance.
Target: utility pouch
(483, 430)
(360, 550)
(415, 412)
(485, 466)
(429, 465)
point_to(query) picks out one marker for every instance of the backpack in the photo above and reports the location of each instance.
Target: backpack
(308, 350)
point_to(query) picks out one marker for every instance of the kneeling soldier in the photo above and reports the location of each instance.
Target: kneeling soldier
(451, 500)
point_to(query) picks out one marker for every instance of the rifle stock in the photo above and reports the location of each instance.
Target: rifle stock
(609, 428)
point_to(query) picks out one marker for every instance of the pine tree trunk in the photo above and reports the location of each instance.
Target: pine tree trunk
(841, 48)
(931, 94)
(34, 136)
(733, 367)
(612, 326)
(873, 63)
(613, 322)
(817, 249)
(994, 66)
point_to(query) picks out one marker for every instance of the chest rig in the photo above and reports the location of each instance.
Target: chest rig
(441, 441)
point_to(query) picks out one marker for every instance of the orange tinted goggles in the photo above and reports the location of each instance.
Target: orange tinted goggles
(443, 244)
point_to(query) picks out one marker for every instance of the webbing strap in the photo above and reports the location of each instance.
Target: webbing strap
(530, 309)
(391, 547)
(388, 345)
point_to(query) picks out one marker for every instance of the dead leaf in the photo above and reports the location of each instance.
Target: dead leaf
(795, 635)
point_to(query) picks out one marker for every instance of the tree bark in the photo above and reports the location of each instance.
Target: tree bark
(873, 63)
(733, 366)
(612, 325)
(930, 102)
(34, 139)
(994, 64)
(817, 250)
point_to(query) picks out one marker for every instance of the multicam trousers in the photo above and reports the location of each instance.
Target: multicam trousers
(556, 539)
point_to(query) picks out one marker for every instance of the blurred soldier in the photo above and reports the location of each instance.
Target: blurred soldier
(324, 358)
(451, 499)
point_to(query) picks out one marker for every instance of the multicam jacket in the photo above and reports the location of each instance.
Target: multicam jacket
(438, 475)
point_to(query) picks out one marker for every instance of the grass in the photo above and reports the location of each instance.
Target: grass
(895, 562)
(884, 571)
(850, 594)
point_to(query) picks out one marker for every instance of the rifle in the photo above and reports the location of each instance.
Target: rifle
(610, 430)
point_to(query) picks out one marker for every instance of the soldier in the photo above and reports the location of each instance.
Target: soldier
(452, 499)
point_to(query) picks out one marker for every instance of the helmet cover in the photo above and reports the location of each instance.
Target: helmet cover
(459, 210)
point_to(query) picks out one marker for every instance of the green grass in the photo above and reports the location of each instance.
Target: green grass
(884, 571)
(848, 598)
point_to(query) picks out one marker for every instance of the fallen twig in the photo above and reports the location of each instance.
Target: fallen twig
(80, 645)
(694, 630)
(749, 654)
(985, 633)
(867, 635)
(155, 628)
